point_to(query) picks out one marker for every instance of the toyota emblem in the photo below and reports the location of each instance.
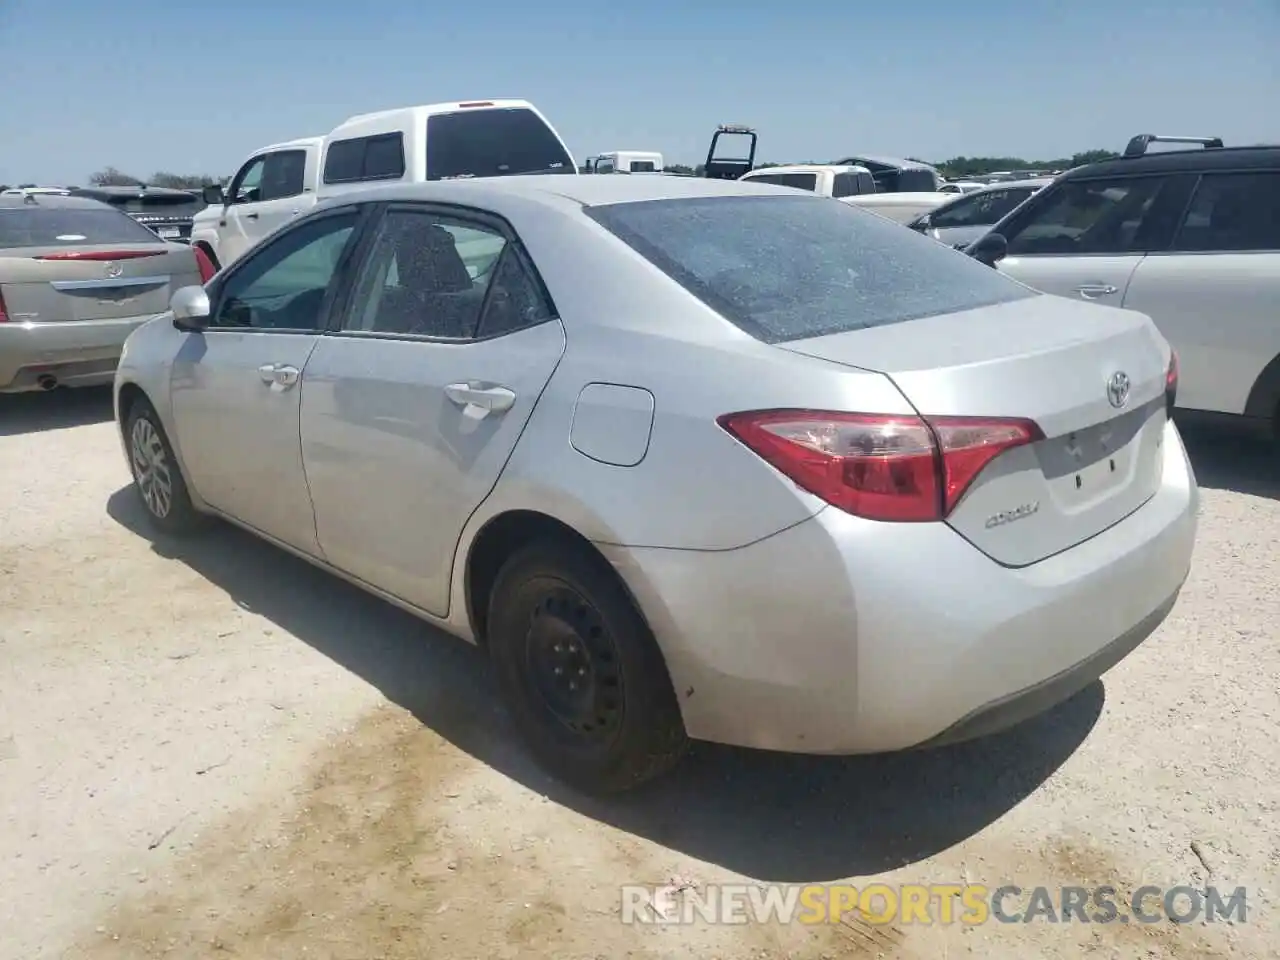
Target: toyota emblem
(113, 270)
(1118, 389)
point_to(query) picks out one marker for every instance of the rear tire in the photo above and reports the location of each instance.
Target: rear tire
(157, 478)
(580, 671)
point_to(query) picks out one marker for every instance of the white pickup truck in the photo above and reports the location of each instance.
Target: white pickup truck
(438, 141)
(825, 180)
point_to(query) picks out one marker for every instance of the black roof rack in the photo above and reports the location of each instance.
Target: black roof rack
(1138, 145)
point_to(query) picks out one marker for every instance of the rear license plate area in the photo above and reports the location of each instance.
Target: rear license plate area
(169, 233)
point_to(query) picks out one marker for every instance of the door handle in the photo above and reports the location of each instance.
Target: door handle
(1091, 290)
(280, 376)
(251, 216)
(488, 398)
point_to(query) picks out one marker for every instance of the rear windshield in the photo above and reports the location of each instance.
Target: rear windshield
(27, 227)
(493, 143)
(786, 268)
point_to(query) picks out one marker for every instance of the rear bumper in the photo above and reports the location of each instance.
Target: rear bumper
(76, 353)
(840, 635)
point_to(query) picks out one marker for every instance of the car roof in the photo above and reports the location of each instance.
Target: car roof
(1195, 160)
(1014, 184)
(900, 162)
(139, 192)
(809, 168)
(50, 201)
(559, 189)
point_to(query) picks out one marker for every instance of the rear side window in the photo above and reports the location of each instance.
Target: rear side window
(852, 184)
(1233, 211)
(801, 181)
(493, 143)
(787, 268)
(365, 158)
(33, 227)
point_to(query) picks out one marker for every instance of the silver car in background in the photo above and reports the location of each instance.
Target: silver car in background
(690, 458)
(76, 278)
(965, 219)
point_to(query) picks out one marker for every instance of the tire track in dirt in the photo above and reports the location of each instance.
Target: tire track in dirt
(400, 846)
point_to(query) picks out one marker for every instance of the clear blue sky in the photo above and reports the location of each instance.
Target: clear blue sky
(189, 87)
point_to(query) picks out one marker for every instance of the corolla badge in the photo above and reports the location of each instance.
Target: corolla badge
(1017, 513)
(112, 270)
(1118, 389)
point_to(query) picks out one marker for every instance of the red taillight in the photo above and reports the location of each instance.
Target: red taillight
(99, 255)
(898, 468)
(204, 265)
(1171, 383)
(4, 314)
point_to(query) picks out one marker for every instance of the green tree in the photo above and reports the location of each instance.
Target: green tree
(111, 177)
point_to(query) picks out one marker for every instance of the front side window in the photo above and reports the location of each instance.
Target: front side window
(247, 186)
(431, 275)
(1233, 211)
(282, 286)
(283, 174)
(493, 142)
(800, 181)
(789, 267)
(1088, 216)
(31, 226)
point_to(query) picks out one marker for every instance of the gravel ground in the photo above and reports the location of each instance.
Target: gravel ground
(214, 750)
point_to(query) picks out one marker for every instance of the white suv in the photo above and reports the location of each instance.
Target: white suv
(1190, 237)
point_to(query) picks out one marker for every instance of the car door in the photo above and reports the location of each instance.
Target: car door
(266, 195)
(235, 388)
(241, 199)
(415, 402)
(1215, 293)
(1083, 238)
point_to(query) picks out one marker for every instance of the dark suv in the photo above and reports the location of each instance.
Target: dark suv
(165, 211)
(1188, 236)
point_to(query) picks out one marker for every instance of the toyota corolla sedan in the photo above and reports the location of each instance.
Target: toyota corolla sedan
(691, 459)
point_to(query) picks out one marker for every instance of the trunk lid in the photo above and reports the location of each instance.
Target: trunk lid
(1050, 360)
(97, 286)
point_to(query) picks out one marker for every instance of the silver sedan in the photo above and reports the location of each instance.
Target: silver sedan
(692, 459)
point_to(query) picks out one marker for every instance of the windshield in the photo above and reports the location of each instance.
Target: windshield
(28, 227)
(787, 268)
(493, 143)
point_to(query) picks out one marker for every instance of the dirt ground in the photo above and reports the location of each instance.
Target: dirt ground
(213, 750)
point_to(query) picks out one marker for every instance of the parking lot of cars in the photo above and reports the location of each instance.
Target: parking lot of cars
(212, 749)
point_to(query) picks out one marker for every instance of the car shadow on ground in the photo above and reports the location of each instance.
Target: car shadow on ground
(767, 816)
(1229, 457)
(22, 413)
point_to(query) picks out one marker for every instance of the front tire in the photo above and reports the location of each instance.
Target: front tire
(157, 478)
(580, 671)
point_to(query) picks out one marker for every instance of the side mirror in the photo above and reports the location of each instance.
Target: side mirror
(920, 224)
(212, 195)
(190, 307)
(990, 249)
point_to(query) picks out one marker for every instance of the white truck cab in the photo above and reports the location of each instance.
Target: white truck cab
(274, 185)
(826, 180)
(440, 141)
(626, 161)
